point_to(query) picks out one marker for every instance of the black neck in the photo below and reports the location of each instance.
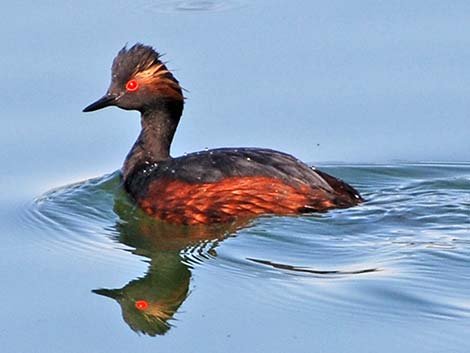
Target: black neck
(158, 128)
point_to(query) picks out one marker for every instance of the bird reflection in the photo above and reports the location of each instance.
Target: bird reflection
(149, 303)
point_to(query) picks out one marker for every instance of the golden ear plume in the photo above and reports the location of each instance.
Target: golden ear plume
(158, 78)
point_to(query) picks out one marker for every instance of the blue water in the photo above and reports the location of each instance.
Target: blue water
(389, 275)
(361, 82)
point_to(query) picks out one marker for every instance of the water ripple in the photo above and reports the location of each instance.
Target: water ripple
(193, 6)
(408, 246)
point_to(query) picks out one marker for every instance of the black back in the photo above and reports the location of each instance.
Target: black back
(214, 165)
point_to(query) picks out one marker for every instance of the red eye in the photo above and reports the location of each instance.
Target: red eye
(132, 86)
(141, 304)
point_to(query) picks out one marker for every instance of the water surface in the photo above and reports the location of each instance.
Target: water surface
(390, 272)
(331, 81)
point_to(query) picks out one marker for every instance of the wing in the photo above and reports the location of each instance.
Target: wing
(214, 165)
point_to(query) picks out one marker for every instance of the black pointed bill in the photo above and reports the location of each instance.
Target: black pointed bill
(110, 293)
(103, 102)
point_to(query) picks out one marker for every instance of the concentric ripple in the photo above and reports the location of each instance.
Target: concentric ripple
(169, 6)
(79, 219)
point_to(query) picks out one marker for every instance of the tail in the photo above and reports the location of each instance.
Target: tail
(346, 196)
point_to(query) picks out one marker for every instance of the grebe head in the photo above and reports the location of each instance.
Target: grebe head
(140, 81)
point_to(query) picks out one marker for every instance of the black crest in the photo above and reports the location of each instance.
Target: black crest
(136, 59)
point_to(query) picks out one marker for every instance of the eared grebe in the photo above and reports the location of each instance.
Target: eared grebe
(212, 186)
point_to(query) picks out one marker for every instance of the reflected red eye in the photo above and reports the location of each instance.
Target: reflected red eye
(141, 304)
(132, 86)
